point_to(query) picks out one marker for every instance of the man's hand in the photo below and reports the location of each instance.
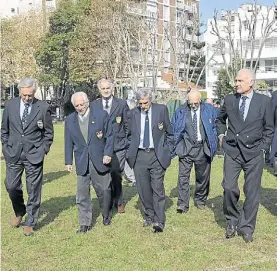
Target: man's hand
(220, 137)
(69, 168)
(106, 160)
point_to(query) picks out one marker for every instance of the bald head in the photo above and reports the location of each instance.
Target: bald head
(194, 99)
(245, 81)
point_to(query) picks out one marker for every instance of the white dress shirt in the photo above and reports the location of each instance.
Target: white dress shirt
(142, 124)
(199, 138)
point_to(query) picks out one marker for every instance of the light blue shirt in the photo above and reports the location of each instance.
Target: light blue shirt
(22, 107)
(142, 124)
(247, 103)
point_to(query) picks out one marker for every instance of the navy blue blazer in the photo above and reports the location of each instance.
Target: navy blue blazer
(35, 139)
(161, 132)
(251, 136)
(118, 119)
(100, 141)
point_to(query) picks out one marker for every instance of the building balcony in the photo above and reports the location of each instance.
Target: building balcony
(266, 72)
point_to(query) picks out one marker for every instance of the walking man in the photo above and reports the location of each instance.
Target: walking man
(117, 110)
(249, 135)
(195, 142)
(149, 154)
(26, 135)
(89, 137)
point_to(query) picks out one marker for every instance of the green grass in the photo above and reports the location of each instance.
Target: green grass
(193, 241)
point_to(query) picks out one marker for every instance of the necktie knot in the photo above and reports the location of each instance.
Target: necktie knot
(244, 98)
(26, 105)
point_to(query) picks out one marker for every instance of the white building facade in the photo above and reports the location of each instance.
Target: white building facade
(9, 8)
(238, 23)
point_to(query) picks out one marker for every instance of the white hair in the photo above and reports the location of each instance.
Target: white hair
(105, 80)
(79, 93)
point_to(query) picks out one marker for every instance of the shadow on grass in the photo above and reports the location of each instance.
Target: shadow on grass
(216, 205)
(128, 193)
(269, 199)
(52, 176)
(168, 204)
(54, 206)
(174, 191)
(269, 169)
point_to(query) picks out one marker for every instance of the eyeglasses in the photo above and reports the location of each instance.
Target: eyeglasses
(194, 103)
(105, 88)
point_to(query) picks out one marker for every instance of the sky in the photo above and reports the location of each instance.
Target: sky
(207, 6)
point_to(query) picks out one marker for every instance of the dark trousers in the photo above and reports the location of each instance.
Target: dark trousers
(253, 169)
(102, 185)
(13, 183)
(202, 165)
(150, 185)
(118, 162)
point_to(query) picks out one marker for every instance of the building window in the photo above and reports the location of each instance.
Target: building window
(271, 43)
(166, 13)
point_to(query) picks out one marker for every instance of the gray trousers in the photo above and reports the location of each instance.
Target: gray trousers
(118, 162)
(253, 169)
(150, 185)
(202, 165)
(129, 173)
(102, 185)
(13, 183)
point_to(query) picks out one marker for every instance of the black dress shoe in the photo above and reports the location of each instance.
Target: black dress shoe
(247, 237)
(182, 210)
(147, 223)
(231, 231)
(107, 221)
(158, 227)
(83, 229)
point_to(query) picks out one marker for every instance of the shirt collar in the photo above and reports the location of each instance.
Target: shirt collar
(82, 117)
(249, 95)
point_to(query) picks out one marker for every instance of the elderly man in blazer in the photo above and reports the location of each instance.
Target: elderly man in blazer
(245, 141)
(117, 110)
(149, 153)
(26, 134)
(89, 137)
(195, 142)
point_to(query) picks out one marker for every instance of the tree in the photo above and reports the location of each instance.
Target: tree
(20, 39)
(242, 43)
(53, 54)
(223, 86)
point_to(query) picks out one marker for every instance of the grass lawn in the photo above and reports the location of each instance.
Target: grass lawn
(192, 241)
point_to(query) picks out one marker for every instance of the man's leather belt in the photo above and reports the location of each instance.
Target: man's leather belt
(147, 149)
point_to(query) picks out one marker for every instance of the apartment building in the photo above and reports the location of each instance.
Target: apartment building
(168, 15)
(264, 51)
(9, 8)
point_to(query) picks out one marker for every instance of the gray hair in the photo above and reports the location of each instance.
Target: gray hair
(28, 83)
(105, 80)
(79, 93)
(144, 92)
(131, 103)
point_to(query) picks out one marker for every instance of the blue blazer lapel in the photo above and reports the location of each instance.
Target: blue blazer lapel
(91, 124)
(138, 119)
(76, 128)
(114, 105)
(154, 116)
